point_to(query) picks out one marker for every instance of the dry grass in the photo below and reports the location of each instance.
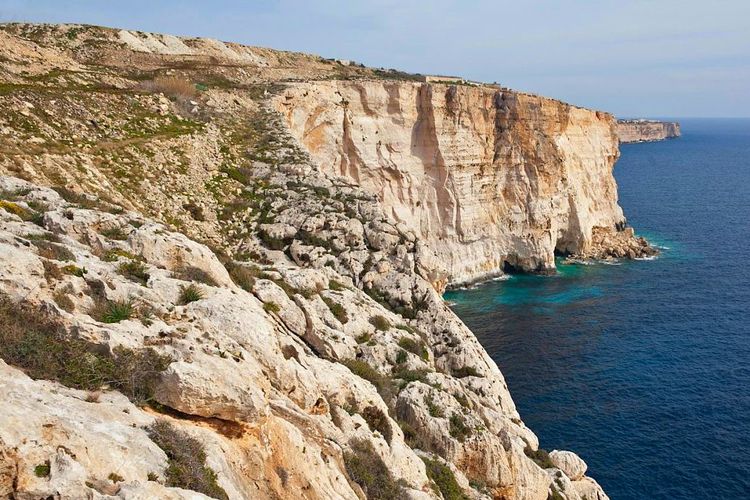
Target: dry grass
(367, 469)
(36, 343)
(50, 250)
(190, 273)
(171, 86)
(380, 322)
(187, 460)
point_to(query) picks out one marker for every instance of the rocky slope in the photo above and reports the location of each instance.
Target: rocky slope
(233, 289)
(646, 130)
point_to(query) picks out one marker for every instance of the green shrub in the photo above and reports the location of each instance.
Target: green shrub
(401, 357)
(272, 242)
(444, 479)
(271, 307)
(365, 337)
(466, 371)
(38, 344)
(190, 293)
(415, 347)
(408, 376)
(115, 253)
(378, 421)
(186, 457)
(380, 322)
(336, 286)
(539, 456)
(311, 239)
(363, 370)
(243, 276)
(367, 469)
(112, 311)
(337, 310)
(458, 428)
(411, 436)
(462, 400)
(134, 270)
(114, 233)
(434, 409)
(406, 328)
(74, 270)
(42, 470)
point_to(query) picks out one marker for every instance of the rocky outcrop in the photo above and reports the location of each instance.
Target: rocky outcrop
(646, 130)
(283, 381)
(492, 179)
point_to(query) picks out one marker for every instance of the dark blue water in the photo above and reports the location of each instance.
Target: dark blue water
(643, 368)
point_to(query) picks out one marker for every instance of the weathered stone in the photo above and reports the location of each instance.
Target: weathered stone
(568, 462)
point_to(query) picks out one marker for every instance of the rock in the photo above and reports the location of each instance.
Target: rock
(568, 462)
(545, 167)
(175, 252)
(191, 388)
(646, 130)
(588, 489)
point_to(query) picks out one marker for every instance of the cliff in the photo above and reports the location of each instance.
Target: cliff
(491, 179)
(201, 305)
(646, 130)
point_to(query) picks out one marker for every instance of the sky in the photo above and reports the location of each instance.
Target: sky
(634, 58)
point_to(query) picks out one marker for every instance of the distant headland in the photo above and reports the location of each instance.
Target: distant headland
(646, 130)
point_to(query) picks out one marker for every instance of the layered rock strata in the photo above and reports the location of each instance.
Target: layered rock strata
(646, 130)
(491, 179)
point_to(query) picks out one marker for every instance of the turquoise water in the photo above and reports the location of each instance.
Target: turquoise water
(643, 368)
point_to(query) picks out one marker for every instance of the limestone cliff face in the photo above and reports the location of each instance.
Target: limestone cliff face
(646, 130)
(489, 178)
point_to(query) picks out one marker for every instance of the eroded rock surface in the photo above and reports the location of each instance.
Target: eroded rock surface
(492, 179)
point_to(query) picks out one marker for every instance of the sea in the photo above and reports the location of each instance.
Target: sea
(643, 367)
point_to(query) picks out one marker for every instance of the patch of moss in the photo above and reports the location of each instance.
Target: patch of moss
(42, 470)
